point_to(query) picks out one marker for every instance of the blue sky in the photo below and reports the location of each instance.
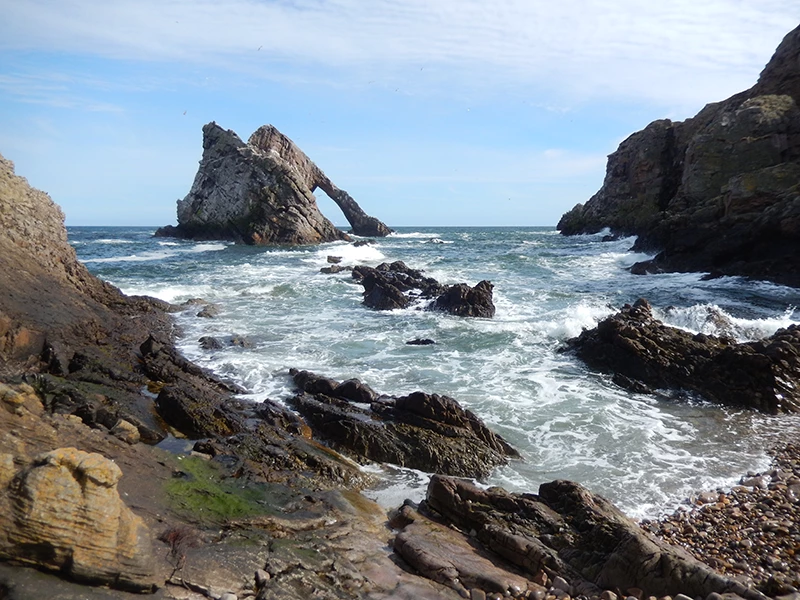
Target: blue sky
(458, 112)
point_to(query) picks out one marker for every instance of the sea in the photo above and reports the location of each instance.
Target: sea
(649, 454)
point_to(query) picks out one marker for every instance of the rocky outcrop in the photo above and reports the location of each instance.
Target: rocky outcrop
(393, 286)
(717, 192)
(261, 192)
(564, 533)
(64, 513)
(643, 354)
(422, 431)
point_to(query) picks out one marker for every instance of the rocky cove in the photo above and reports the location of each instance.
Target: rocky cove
(262, 501)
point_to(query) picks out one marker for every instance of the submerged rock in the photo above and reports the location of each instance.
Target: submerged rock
(392, 286)
(261, 192)
(642, 351)
(422, 431)
(718, 192)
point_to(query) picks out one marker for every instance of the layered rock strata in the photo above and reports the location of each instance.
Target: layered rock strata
(717, 192)
(262, 192)
(422, 431)
(643, 354)
(64, 513)
(394, 286)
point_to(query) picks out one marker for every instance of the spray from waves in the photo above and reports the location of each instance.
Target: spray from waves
(158, 255)
(350, 254)
(710, 319)
(414, 235)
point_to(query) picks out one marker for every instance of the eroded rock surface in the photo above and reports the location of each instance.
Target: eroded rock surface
(421, 431)
(64, 513)
(717, 192)
(566, 531)
(390, 286)
(261, 192)
(643, 353)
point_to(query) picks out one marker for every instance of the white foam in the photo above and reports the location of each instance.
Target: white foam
(713, 320)
(351, 255)
(414, 235)
(158, 255)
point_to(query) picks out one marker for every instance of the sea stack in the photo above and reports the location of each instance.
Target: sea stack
(262, 193)
(718, 192)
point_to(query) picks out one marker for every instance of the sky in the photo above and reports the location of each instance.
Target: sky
(454, 112)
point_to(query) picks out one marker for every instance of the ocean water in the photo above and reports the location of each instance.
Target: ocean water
(645, 453)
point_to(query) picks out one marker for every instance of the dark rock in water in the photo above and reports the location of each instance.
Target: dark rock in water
(211, 343)
(334, 260)
(643, 352)
(568, 532)
(395, 285)
(421, 431)
(717, 192)
(261, 192)
(465, 301)
(209, 311)
(334, 269)
(359, 243)
(420, 342)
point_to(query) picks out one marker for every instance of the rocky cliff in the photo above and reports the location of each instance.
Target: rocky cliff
(717, 192)
(262, 192)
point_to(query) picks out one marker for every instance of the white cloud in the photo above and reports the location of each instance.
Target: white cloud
(580, 48)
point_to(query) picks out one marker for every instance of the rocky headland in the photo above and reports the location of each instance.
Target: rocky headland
(262, 192)
(715, 193)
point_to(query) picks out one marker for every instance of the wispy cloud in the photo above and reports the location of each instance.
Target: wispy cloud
(585, 49)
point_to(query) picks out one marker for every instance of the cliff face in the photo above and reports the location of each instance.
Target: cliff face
(261, 192)
(717, 192)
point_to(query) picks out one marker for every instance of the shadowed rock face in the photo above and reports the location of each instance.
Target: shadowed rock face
(718, 192)
(642, 353)
(261, 192)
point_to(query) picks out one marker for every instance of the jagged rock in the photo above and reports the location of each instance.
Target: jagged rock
(566, 531)
(393, 286)
(421, 431)
(718, 192)
(64, 513)
(421, 342)
(261, 192)
(642, 351)
(465, 301)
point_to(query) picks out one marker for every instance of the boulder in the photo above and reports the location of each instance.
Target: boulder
(569, 533)
(644, 353)
(64, 513)
(395, 286)
(422, 431)
(718, 192)
(261, 192)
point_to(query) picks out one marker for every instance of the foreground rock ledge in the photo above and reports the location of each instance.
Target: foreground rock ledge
(643, 353)
(262, 192)
(563, 532)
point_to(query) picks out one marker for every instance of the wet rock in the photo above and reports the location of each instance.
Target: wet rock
(64, 514)
(261, 192)
(420, 342)
(422, 431)
(395, 286)
(636, 347)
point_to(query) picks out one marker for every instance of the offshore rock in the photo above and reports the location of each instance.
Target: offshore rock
(642, 352)
(718, 192)
(261, 192)
(394, 286)
(422, 431)
(64, 514)
(566, 531)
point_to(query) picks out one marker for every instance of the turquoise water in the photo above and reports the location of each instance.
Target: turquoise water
(644, 453)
